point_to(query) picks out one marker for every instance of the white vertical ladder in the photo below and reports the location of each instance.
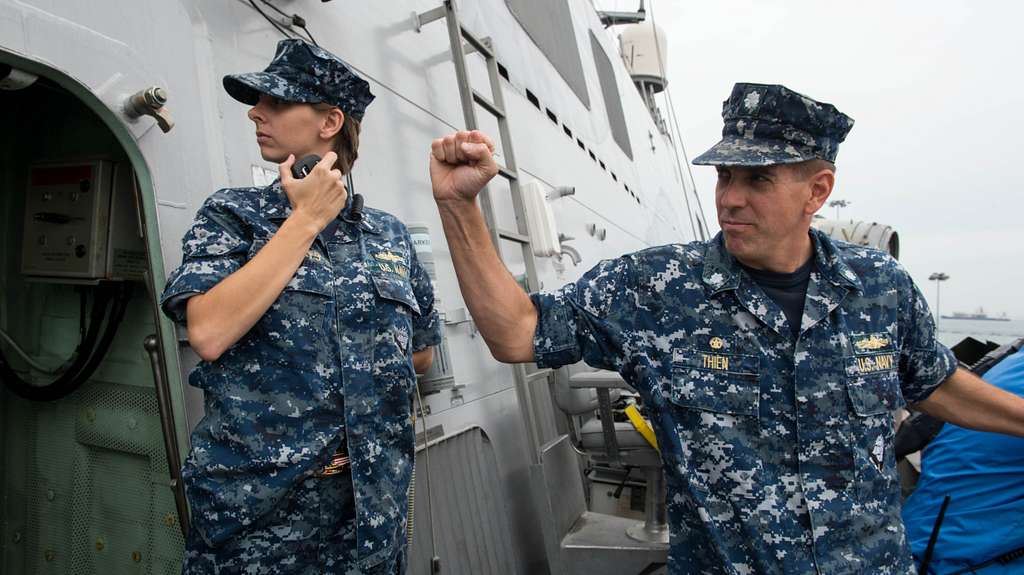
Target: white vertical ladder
(457, 34)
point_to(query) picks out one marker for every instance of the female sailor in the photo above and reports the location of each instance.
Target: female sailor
(312, 316)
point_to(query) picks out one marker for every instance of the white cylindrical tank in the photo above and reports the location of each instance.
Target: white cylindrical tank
(870, 234)
(440, 375)
(645, 52)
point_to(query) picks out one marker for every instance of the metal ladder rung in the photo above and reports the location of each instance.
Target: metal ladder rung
(507, 174)
(468, 48)
(476, 42)
(540, 373)
(488, 105)
(514, 236)
(422, 19)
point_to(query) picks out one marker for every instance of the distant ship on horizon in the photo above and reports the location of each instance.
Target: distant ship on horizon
(980, 314)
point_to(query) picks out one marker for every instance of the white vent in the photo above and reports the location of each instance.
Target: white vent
(540, 220)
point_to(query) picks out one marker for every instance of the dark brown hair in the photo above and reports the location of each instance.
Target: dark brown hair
(346, 142)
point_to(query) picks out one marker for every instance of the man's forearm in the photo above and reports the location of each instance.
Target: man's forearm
(502, 311)
(968, 401)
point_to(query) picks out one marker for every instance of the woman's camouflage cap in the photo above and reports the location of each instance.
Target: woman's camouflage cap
(768, 124)
(302, 72)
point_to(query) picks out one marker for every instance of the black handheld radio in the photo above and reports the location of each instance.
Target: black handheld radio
(303, 167)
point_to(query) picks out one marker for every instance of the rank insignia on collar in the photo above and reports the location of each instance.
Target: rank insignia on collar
(716, 343)
(871, 343)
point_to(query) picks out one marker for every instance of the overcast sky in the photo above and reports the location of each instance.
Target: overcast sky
(936, 91)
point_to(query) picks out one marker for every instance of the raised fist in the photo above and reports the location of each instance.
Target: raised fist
(461, 164)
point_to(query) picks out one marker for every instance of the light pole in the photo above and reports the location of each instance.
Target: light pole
(838, 204)
(938, 278)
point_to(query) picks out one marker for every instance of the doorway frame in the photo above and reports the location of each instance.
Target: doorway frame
(155, 276)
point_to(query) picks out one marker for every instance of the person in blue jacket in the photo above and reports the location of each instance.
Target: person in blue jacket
(310, 321)
(983, 473)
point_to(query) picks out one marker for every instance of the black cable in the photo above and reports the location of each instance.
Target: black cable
(297, 21)
(117, 314)
(275, 8)
(88, 355)
(82, 305)
(81, 353)
(934, 537)
(622, 484)
(269, 19)
(308, 33)
(355, 213)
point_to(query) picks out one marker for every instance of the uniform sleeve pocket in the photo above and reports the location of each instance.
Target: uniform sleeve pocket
(722, 383)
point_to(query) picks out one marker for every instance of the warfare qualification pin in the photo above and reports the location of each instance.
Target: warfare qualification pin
(716, 343)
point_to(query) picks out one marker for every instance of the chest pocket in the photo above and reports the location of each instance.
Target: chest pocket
(718, 382)
(389, 268)
(299, 315)
(873, 383)
(396, 290)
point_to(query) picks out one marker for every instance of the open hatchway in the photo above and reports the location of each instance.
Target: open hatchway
(86, 418)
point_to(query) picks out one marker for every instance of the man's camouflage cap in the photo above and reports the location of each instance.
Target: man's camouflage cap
(302, 72)
(771, 124)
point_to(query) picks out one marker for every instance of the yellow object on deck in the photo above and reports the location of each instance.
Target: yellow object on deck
(641, 425)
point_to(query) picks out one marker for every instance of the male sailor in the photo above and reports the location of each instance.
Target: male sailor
(770, 359)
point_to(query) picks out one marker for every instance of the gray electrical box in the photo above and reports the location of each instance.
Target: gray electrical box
(82, 223)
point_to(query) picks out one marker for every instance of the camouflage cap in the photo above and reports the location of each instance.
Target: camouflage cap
(767, 124)
(302, 72)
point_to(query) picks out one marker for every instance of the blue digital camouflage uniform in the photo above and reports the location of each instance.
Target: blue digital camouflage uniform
(329, 361)
(778, 456)
(778, 452)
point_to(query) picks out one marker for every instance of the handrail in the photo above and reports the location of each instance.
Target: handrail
(163, 402)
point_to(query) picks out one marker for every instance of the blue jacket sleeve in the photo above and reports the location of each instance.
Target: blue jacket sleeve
(924, 362)
(216, 246)
(588, 319)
